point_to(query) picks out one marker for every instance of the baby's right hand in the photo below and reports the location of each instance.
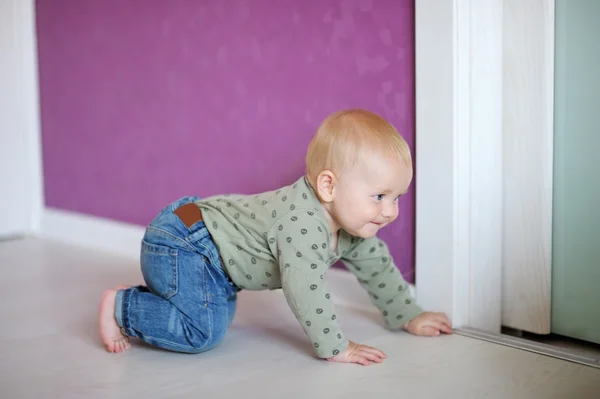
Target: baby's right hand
(360, 354)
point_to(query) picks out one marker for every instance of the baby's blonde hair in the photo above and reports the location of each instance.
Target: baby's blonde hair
(343, 135)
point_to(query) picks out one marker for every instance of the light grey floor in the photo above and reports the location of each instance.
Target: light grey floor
(50, 348)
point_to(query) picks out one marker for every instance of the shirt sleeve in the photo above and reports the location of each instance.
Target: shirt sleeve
(300, 241)
(373, 266)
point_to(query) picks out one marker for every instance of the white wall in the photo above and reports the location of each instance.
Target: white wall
(21, 199)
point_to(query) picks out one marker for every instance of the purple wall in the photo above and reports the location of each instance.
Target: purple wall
(144, 101)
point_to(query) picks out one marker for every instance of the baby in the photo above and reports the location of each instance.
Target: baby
(197, 254)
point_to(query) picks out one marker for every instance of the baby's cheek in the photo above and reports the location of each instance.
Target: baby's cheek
(371, 216)
(364, 212)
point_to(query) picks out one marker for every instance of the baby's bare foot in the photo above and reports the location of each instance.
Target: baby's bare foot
(110, 331)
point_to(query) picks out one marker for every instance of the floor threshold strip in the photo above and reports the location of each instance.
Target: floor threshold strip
(530, 346)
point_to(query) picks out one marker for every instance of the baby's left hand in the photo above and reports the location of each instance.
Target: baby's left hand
(429, 324)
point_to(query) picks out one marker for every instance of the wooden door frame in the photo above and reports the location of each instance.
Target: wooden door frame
(461, 217)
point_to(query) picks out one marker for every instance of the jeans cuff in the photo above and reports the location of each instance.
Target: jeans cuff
(121, 302)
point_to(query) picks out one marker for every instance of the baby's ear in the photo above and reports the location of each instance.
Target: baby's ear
(326, 182)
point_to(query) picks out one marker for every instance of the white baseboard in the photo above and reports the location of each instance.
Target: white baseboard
(92, 232)
(124, 239)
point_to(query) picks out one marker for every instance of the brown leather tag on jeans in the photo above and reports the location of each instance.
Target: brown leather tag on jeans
(189, 214)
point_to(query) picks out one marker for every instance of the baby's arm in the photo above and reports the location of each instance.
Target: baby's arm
(300, 241)
(371, 262)
(373, 266)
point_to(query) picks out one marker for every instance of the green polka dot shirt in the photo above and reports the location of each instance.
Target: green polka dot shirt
(281, 239)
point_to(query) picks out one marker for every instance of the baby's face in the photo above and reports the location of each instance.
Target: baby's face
(366, 197)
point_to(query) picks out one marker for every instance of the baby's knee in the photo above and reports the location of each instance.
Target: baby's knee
(200, 347)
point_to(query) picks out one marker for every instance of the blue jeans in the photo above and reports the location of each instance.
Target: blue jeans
(188, 301)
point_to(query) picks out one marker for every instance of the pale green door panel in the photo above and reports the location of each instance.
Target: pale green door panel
(576, 199)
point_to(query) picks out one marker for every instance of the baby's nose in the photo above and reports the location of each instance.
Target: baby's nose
(388, 211)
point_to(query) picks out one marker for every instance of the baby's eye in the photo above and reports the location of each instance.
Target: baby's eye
(379, 197)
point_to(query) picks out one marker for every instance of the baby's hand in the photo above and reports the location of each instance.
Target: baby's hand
(360, 354)
(429, 324)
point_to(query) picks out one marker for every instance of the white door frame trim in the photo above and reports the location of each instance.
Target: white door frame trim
(458, 162)
(462, 221)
